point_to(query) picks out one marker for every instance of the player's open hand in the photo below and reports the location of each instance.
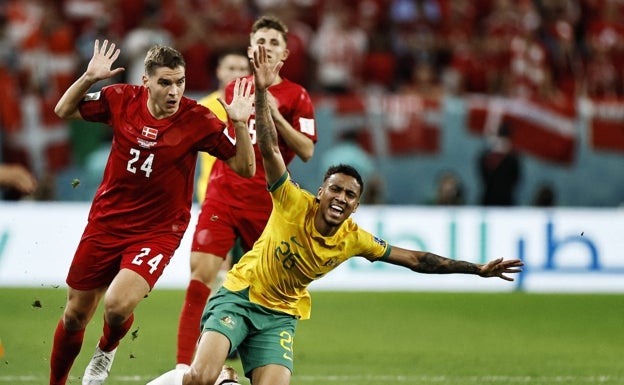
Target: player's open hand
(500, 267)
(264, 73)
(240, 108)
(99, 67)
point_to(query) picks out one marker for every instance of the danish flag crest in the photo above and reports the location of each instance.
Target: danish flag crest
(149, 132)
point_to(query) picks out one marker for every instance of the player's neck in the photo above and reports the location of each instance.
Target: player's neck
(278, 80)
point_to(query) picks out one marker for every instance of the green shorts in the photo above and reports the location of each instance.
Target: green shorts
(261, 335)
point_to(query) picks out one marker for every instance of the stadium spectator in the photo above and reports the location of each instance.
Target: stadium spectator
(298, 67)
(347, 149)
(33, 135)
(338, 49)
(307, 236)
(544, 195)
(416, 33)
(17, 177)
(130, 237)
(499, 169)
(603, 39)
(238, 207)
(449, 190)
(138, 40)
(203, 29)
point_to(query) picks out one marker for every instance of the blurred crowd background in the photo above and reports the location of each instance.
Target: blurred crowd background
(354, 57)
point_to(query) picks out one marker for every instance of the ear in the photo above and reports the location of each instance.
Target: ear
(318, 193)
(286, 53)
(145, 80)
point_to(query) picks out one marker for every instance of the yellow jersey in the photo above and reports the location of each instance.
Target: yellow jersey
(291, 253)
(205, 159)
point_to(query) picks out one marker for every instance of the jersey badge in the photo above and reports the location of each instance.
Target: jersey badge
(92, 96)
(149, 132)
(228, 322)
(380, 241)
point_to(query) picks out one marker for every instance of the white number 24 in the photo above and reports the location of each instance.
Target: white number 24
(146, 166)
(151, 262)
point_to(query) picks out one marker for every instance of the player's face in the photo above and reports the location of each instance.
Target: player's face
(166, 87)
(338, 198)
(274, 43)
(232, 67)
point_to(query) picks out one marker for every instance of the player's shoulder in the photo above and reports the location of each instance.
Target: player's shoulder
(188, 104)
(122, 89)
(291, 86)
(119, 95)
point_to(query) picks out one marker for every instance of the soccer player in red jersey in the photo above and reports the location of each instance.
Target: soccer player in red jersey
(236, 206)
(142, 207)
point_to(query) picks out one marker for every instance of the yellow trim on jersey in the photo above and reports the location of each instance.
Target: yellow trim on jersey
(291, 253)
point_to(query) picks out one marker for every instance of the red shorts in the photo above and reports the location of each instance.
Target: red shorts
(219, 224)
(101, 255)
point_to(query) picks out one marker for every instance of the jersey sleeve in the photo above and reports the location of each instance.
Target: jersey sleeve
(303, 117)
(371, 247)
(214, 139)
(94, 107)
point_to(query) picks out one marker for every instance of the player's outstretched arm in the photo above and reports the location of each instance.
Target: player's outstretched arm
(264, 75)
(429, 263)
(99, 68)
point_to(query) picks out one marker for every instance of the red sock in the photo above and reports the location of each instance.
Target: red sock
(65, 349)
(188, 329)
(113, 334)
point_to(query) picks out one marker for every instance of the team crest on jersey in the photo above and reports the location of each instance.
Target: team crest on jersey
(228, 322)
(380, 241)
(149, 132)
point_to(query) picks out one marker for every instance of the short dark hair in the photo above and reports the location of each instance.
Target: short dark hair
(347, 170)
(271, 22)
(163, 56)
(235, 51)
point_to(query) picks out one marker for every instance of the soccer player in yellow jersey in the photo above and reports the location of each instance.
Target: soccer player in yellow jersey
(231, 65)
(307, 236)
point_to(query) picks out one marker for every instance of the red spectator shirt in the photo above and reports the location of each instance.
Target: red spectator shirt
(296, 107)
(148, 181)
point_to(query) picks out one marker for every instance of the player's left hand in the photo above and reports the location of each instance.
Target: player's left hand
(239, 110)
(500, 267)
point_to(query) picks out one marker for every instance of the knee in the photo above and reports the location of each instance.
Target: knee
(201, 377)
(75, 319)
(204, 267)
(117, 311)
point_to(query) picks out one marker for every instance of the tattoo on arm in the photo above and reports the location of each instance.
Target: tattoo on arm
(266, 134)
(435, 264)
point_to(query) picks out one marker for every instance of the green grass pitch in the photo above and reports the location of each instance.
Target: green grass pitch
(357, 338)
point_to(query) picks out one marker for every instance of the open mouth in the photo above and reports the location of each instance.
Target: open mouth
(336, 210)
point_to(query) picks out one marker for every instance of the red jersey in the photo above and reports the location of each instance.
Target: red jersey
(296, 107)
(148, 181)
